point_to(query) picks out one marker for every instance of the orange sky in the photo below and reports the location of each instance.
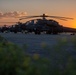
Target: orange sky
(66, 8)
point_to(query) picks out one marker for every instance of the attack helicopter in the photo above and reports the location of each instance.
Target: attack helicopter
(48, 26)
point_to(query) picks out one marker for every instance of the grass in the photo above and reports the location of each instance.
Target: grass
(14, 61)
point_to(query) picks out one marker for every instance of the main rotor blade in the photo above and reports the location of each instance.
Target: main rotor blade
(8, 22)
(57, 17)
(61, 17)
(26, 17)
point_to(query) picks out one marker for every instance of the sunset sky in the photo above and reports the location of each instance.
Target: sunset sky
(10, 9)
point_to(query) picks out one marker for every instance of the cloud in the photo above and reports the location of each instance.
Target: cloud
(14, 14)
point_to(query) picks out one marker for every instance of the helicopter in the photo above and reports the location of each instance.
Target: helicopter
(48, 26)
(40, 25)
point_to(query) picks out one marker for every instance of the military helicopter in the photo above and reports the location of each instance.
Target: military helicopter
(49, 26)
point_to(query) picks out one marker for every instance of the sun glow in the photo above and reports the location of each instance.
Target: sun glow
(74, 23)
